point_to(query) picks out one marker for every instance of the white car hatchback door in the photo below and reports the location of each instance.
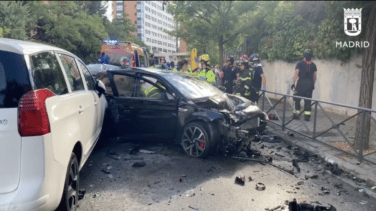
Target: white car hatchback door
(14, 82)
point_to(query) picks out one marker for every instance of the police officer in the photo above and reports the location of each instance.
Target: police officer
(306, 71)
(103, 59)
(258, 78)
(244, 78)
(205, 72)
(229, 75)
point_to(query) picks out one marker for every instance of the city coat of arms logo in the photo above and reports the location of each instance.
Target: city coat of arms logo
(353, 21)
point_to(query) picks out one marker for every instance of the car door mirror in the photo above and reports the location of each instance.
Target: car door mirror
(100, 87)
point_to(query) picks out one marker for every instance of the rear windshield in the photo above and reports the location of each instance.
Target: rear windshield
(14, 79)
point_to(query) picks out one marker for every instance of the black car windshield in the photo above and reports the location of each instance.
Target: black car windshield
(193, 87)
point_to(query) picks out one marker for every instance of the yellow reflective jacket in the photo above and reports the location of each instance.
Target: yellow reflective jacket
(208, 74)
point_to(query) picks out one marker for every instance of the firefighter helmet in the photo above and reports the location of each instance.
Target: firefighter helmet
(204, 57)
(255, 57)
(231, 59)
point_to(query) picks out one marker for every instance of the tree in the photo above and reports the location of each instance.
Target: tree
(211, 20)
(120, 27)
(93, 7)
(367, 77)
(65, 25)
(14, 17)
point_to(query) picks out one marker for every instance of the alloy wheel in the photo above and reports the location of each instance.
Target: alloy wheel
(194, 141)
(72, 193)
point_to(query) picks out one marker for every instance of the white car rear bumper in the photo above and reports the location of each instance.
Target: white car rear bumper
(42, 178)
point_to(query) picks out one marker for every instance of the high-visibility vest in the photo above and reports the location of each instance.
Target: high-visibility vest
(208, 74)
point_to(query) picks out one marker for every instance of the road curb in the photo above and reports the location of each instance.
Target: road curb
(327, 154)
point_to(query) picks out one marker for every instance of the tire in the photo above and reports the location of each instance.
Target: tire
(201, 145)
(69, 199)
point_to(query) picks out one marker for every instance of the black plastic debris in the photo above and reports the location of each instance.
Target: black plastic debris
(240, 180)
(334, 169)
(260, 186)
(296, 165)
(250, 179)
(106, 171)
(139, 164)
(192, 207)
(81, 194)
(311, 177)
(275, 208)
(304, 206)
(300, 183)
(325, 190)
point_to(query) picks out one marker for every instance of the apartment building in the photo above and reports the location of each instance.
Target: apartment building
(151, 20)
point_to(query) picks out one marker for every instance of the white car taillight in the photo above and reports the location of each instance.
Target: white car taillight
(32, 113)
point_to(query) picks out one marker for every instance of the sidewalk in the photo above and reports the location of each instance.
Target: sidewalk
(365, 171)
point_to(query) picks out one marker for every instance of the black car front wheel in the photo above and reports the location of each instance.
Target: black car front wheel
(195, 140)
(69, 200)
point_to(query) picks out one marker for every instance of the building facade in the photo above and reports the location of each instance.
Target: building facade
(151, 20)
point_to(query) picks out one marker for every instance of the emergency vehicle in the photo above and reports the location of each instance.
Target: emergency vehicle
(124, 53)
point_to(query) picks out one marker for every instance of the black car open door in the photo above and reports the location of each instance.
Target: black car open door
(157, 108)
(144, 109)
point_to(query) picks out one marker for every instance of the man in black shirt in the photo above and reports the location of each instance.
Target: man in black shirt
(306, 71)
(258, 80)
(229, 75)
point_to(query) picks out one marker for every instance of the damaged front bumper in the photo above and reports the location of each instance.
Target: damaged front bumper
(239, 130)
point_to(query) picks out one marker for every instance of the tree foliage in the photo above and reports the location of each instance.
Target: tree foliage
(202, 22)
(76, 26)
(13, 19)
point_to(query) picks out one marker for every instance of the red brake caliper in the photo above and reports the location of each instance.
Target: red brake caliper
(202, 143)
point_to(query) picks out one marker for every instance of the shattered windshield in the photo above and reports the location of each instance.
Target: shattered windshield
(191, 87)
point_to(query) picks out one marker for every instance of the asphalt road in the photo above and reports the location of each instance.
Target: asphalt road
(171, 180)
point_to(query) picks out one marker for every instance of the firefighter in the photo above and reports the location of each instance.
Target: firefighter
(244, 80)
(229, 75)
(306, 71)
(258, 78)
(205, 72)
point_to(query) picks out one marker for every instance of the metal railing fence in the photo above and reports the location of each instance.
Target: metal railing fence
(320, 121)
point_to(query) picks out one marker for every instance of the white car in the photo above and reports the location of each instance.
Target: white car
(51, 116)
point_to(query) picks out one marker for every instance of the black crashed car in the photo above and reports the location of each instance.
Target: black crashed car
(149, 103)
